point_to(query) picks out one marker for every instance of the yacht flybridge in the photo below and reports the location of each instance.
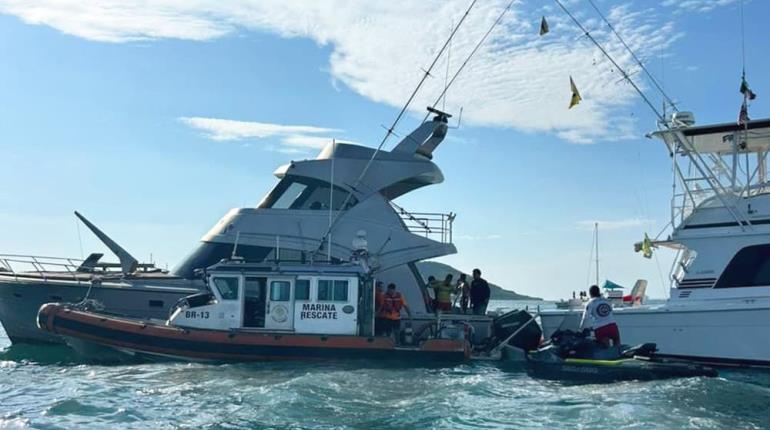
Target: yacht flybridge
(292, 223)
(294, 220)
(718, 309)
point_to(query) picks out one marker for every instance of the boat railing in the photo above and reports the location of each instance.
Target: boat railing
(45, 268)
(684, 203)
(432, 225)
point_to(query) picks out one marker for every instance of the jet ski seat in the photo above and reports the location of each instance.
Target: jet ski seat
(572, 344)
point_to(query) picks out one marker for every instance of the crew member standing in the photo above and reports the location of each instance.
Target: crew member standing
(434, 285)
(464, 289)
(379, 299)
(479, 293)
(598, 316)
(392, 303)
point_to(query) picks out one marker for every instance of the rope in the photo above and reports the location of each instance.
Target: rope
(473, 52)
(633, 55)
(389, 131)
(446, 74)
(612, 60)
(80, 238)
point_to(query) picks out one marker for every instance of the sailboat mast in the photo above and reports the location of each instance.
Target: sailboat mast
(596, 241)
(331, 202)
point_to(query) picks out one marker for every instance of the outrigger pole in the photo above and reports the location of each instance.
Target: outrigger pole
(636, 59)
(596, 235)
(687, 147)
(389, 131)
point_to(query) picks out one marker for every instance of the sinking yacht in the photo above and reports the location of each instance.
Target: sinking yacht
(718, 310)
(316, 211)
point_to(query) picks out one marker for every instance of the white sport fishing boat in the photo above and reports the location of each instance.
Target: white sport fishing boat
(718, 310)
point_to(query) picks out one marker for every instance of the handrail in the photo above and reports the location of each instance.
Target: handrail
(432, 225)
(45, 267)
(69, 259)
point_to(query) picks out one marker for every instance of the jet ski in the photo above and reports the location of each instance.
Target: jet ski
(575, 356)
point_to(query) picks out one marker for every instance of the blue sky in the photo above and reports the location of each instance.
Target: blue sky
(154, 120)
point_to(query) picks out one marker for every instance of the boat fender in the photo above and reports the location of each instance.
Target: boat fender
(408, 335)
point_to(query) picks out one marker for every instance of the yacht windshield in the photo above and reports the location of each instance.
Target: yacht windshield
(308, 194)
(289, 195)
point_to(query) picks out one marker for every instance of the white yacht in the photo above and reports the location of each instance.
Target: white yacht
(718, 310)
(302, 218)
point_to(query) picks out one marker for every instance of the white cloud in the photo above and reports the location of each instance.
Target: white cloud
(614, 224)
(302, 141)
(228, 129)
(378, 49)
(478, 237)
(294, 138)
(697, 5)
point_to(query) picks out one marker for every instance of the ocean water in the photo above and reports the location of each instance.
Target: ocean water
(50, 388)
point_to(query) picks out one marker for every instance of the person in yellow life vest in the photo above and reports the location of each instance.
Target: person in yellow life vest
(392, 303)
(444, 292)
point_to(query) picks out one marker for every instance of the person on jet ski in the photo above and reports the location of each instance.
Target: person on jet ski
(598, 317)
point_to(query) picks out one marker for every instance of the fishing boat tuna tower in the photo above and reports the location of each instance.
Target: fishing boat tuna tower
(718, 310)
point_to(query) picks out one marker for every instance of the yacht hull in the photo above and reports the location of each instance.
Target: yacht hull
(21, 299)
(144, 338)
(721, 335)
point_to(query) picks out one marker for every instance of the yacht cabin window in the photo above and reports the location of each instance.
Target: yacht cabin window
(332, 290)
(227, 287)
(306, 194)
(750, 267)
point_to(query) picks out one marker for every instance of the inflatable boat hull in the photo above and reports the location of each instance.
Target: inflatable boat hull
(147, 338)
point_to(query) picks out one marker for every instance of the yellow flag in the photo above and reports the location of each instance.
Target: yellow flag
(647, 247)
(543, 26)
(575, 94)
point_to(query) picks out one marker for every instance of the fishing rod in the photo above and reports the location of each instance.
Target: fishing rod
(694, 156)
(473, 52)
(633, 55)
(607, 55)
(389, 131)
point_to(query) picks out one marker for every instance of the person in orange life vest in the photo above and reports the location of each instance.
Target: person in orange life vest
(392, 303)
(598, 316)
(379, 299)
